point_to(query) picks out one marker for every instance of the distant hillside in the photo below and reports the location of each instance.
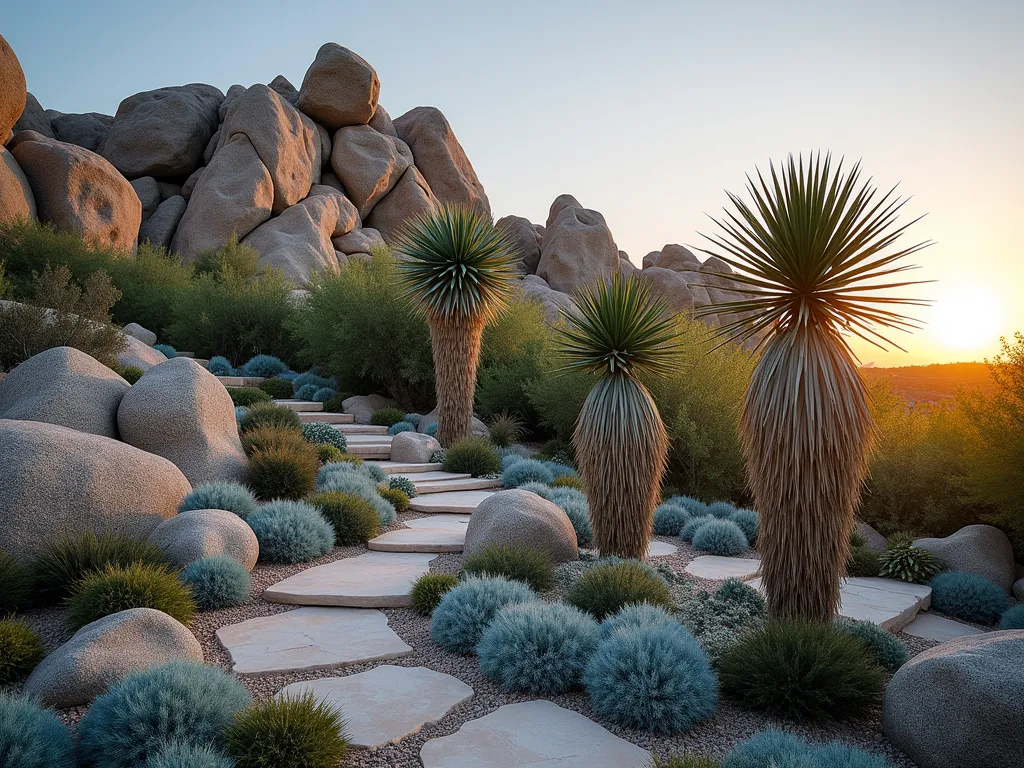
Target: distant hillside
(931, 383)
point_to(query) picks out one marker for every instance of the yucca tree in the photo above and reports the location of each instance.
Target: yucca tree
(811, 253)
(458, 266)
(619, 333)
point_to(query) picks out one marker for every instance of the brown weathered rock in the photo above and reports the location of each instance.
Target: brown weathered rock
(358, 241)
(553, 302)
(340, 88)
(525, 240)
(441, 158)
(282, 85)
(34, 118)
(578, 250)
(410, 196)
(558, 205)
(668, 286)
(673, 257)
(369, 164)
(381, 122)
(233, 93)
(149, 194)
(78, 191)
(12, 89)
(16, 198)
(163, 132)
(87, 130)
(159, 228)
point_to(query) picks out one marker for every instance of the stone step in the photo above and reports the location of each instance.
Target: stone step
(369, 439)
(239, 381)
(343, 419)
(380, 452)
(454, 502)
(456, 483)
(444, 522)
(359, 429)
(301, 406)
(406, 468)
(419, 540)
(373, 580)
(939, 628)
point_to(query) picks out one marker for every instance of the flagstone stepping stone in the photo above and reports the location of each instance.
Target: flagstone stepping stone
(443, 522)
(454, 502)
(456, 484)
(716, 567)
(406, 468)
(419, 540)
(387, 703)
(373, 580)
(535, 734)
(310, 638)
(661, 549)
(939, 628)
(432, 476)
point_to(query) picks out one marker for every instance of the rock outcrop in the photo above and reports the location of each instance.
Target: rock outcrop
(160, 227)
(34, 118)
(525, 240)
(368, 164)
(16, 199)
(12, 89)
(340, 88)
(88, 130)
(411, 196)
(578, 248)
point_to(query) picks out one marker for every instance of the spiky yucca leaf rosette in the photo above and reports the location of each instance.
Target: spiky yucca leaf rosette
(458, 266)
(619, 333)
(810, 253)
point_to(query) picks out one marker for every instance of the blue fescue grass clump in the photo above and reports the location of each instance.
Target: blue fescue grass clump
(376, 472)
(181, 701)
(403, 484)
(526, 471)
(1013, 618)
(578, 513)
(561, 495)
(542, 490)
(773, 747)
(669, 518)
(322, 433)
(537, 647)
(360, 480)
(688, 530)
(33, 737)
(220, 366)
(288, 376)
(306, 391)
(967, 596)
(310, 378)
(227, 495)
(179, 754)
(510, 457)
(264, 366)
(166, 349)
(560, 470)
(887, 651)
(217, 581)
(720, 537)
(431, 429)
(240, 414)
(402, 426)
(749, 522)
(462, 615)
(636, 616)
(677, 689)
(721, 509)
(413, 418)
(291, 532)
(323, 394)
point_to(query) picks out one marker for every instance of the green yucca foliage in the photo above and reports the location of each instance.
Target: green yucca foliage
(458, 266)
(908, 563)
(810, 251)
(620, 333)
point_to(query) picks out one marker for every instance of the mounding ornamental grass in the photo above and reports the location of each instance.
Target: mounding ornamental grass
(428, 590)
(606, 589)
(669, 518)
(227, 495)
(272, 439)
(527, 471)
(394, 497)
(517, 563)
(265, 366)
(463, 614)
(773, 747)
(20, 651)
(246, 397)
(138, 585)
(969, 597)
(181, 754)
(270, 415)
(689, 529)
(32, 736)
(285, 472)
(217, 581)
(578, 513)
(473, 455)
(17, 581)
(1013, 618)
(352, 517)
(636, 616)
(863, 562)
(291, 532)
(884, 647)
(720, 537)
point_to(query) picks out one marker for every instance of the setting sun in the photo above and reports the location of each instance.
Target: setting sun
(966, 317)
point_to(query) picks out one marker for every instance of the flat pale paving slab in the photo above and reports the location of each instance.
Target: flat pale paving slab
(373, 580)
(421, 477)
(387, 703)
(406, 468)
(368, 439)
(336, 419)
(661, 549)
(939, 628)
(455, 502)
(462, 484)
(443, 522)
(348, 428)
(370, 451)
(310, 638)
(716, 567)
(301, 406)
(419, 540)
(532, 734)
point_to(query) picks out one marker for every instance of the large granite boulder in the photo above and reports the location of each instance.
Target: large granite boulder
(57, 482)
(34, 118)
(180, 411)
(668, 286)
(233, 195)
(138, 354)
(12, 89)
(78, 191)
(873, 540)
(521, 518)
(525, 239)
(361, 240)
(284, 88)
(578, 250)
(441, 158)
(16, 199)
(362, 407)
(960, 704)
(340, 88)
(149, 194)
(553, 302)
(104, 652)
(163, 132)
(673, 256)
(199, 533)
(159, 228)
(64, 386)
(381, 122)
(558, 205)
(1018, 589)
(413, 448)
(144, 335)
(980, 549)
(477, 427)
(368, 163)
(411, 196)
(87, 129)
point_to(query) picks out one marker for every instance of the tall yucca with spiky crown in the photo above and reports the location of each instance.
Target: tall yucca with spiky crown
(619, 333)
(458, 265)
(809, 253)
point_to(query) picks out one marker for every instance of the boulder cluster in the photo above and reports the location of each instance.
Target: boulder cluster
(309, 177)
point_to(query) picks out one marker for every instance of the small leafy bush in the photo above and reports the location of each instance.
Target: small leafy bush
(291, 532)
(220, 366)
(863, 562)
(749, 522)
(181, 754)
(266, 366)
(1013, 618)
(606, 589)
(395, 497)
(20, 650)
(217, 581)
(462, 615)
(328, 454)
(524, 564)
(720, 537)
(353, 519)
(181, 701)
(473, 455)
(385, 417)
(676, 691)
(286, 472)
(689, 529)
(227, 495)
(506, 429)
(537, 647)
(527, 471)
(428, 590)
(322, 433)
(403, 484)
(802, 671)
(131, 373)
(967, 596)
(288, 730)
(669, 518)
(908, 563)
(16, 581)
(569, 481)
(401, 426)
(33, 737)
(246, 397)
(63, 564)
(270, 415)
(118, 588)
(278, 389)
(720, 619)
(634, 617)
(884, 647)
(778, 748)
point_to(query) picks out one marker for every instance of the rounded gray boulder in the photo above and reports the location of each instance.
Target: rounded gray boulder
(413, 448)
(980, 549)
(521, 518)
(195, 534)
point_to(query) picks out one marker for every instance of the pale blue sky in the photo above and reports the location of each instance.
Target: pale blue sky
(644, 111)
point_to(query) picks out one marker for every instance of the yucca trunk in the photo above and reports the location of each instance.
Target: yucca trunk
(807, 434)
(455, 346)
(621, 449)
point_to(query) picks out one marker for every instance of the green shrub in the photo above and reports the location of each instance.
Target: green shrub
(473, 455)
(322, 433)
(398, 499)
(328, 454)
(506, 429)
(288, 730)
(284, 472)
(863, 562)
(244, 397)
(278, 389)
(16, 584)
(270, 415)
(523, 564)
(908, 563)
(428, 590)
(802, 671)
(403, 484)
(20, 651)
(118, 588)
(353, 519)
(63, 564)
(271, 439)
(606, 589)
(569, 481)
(386, 417)
(130, 373)
(336, 404)
(886, 650)
(217, 581)
(718, 620)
